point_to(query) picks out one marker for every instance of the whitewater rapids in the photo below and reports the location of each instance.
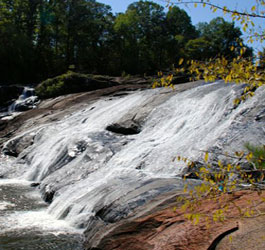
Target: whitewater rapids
(87, 168)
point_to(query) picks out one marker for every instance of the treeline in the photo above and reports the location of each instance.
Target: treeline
(43, 38)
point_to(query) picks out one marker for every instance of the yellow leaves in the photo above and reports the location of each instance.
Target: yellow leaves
(195, 5)
(245, 26)
(195, 218)
(254, 7)
(224, 10)
(206, 157)
(181, 60)
(204, 170)
(239, 154)
(228, 78)
(164, 81)
(179, 199)
(236, 101)
(217, 183)
(229, 168)
(246, 214)
(249, 156)
(240, 70)
(185, 188)
(242, 51)
(218, 215)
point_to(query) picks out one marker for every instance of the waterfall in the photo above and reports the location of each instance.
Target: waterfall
(88, 167)
(25, 101)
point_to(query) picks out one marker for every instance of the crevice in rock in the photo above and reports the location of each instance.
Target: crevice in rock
(129, 128)
(101, 214)
(35, 184)
(10, 152)
(220, 237)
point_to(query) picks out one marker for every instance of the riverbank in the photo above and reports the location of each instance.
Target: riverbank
(165, 227)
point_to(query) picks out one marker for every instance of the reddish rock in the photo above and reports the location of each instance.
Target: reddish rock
(169, 230)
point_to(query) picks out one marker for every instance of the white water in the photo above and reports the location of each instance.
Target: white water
(90, 167)
(39, 220)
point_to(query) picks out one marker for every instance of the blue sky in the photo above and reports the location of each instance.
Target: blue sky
(198, 14)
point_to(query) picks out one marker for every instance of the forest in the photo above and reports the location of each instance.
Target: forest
(45, 38)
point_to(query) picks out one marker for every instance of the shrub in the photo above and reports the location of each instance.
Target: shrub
(71, 82)
(258, 155)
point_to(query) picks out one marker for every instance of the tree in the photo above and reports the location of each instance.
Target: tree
(198, 49)
(222, 36)
(239, 69)
(179, 31)
(141, 30)
(16, 45)
(41, 38)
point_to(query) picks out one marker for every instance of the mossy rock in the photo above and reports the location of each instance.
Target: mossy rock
(72, 82)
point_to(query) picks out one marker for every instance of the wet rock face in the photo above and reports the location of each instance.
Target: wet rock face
(19, 144)
(3, 124)
(27, 100)
(28, 103)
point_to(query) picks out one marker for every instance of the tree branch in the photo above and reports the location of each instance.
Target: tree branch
(217, 7)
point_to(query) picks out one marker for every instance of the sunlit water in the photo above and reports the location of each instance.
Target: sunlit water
(90, 168)
(24, 223)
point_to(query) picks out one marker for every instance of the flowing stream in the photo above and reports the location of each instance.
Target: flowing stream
(91, 172)
(24, 223)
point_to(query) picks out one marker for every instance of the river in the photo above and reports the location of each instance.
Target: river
(96, 173)
(25, 224)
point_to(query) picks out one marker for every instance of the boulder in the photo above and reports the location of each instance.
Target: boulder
(128, 127)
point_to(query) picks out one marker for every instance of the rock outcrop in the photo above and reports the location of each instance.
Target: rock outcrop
(167, 229)
(105, 160)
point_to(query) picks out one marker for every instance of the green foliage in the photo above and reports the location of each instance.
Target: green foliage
(41, 39)
(198, 48)
(258, 155)
(67, 83)
(141, 31)
(221, 35)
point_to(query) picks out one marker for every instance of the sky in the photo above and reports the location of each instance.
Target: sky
(200, 14)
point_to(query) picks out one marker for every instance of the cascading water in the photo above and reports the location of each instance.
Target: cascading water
(84, 167)
(26, 100)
